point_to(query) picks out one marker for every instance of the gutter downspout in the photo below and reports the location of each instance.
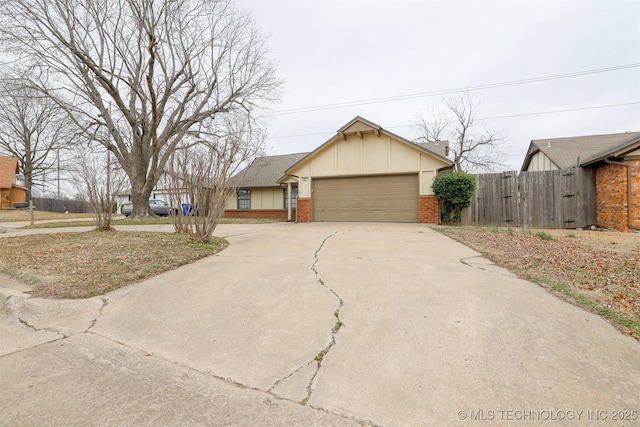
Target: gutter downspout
(629, 198)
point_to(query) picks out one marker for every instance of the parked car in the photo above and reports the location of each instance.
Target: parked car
(158, 207)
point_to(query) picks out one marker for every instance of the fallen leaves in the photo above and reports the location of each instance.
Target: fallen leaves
(82, 265)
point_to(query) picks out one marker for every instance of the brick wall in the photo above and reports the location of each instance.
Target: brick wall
(304, 209)
(635, 192)
(611, 197)
(258, 213)
(428, 212)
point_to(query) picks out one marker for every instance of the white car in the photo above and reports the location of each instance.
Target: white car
(158, 207)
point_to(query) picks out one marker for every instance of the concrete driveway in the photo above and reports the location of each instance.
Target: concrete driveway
(318, 324)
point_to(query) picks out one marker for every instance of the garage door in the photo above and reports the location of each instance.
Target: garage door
(392, 198)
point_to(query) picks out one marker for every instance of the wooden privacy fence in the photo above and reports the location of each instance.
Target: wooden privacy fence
(564, 198)
(56, 205)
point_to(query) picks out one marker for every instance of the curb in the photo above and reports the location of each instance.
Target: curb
(63, 316)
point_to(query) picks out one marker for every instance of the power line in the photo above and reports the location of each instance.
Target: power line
(450, 91)
(561, 111)
(568, 110)
(474, 36)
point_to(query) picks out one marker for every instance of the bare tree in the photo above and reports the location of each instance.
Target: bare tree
(98, 182)
(34, 130)
(142, 76)
(472, 149)
(200, 177)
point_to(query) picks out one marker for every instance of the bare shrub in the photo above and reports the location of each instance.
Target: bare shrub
(200, 175)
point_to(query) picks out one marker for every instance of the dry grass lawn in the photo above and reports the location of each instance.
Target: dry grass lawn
(16, 215)
(597, 270)
(82, 265)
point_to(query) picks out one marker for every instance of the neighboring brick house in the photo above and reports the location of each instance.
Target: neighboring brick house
(10, 192)
(616, 160)
(618, 185)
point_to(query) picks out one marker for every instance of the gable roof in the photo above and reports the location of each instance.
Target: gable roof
(8, 171)
(265, 171)
(359, 125)
(565, 152)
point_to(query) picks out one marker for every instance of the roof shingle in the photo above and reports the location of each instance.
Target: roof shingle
(265, 171)
(439, 147)
(565, 152)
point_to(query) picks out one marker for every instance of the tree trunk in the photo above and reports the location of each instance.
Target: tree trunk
(27, 172)
(28, 182)
(140, 195)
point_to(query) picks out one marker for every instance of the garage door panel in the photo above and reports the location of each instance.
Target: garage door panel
(392, 198)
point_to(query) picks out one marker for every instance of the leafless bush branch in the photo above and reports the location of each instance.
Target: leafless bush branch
(199, 175)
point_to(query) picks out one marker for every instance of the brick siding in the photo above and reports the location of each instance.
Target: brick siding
(611, 196)
(635, 193)
(428, 212)
(258, 213)
(304, 209)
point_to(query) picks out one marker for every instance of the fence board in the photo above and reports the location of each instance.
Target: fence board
(545, 199)
(56, 205)
(495, 200)
(568, 191)
(510, 211)
(586, 197)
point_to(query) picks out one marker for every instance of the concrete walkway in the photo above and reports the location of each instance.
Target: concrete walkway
(317, 324)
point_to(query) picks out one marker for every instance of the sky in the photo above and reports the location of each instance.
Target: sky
(336, 52)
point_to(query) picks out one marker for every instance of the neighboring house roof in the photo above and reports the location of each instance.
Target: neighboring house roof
(8, 171)
(265, 171)
(439, 147)
(625, 146)
(566, 152)
(358, 125)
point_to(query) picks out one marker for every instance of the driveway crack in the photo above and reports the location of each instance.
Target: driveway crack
(468, 261)
(317, 360)
(465, 262)
(334, 330)
(32, 327)
(105, 302)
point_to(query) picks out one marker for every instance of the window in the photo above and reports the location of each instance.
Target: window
(244, 199)
(294, 198)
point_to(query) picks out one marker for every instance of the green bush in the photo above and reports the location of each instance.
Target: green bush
(454, 190)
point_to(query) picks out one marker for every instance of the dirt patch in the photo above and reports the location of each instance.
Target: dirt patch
(597, 270)
(82, 265)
